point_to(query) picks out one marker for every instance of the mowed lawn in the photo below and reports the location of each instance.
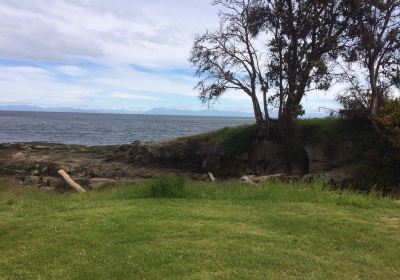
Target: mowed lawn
(213, 231)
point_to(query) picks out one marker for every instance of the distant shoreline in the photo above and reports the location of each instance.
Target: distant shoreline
(154, 112)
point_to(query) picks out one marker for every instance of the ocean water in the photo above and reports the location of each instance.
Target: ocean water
(103, 129)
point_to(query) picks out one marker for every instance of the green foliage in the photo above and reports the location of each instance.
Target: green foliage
(330, 129)
(375, 156)
(168, 187)
(376, 159)
(389, 119)
(235, 140)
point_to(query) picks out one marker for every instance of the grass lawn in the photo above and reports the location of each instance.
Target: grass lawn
(221, 231)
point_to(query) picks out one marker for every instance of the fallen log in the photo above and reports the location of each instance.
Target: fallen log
(71, 182)
(248, 181)
(212, 178)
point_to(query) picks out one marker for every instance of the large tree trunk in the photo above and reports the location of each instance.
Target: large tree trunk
(257, 110)
(375, 101)
(261, 121)
(374, 105)
(286, 122)
(266, 115)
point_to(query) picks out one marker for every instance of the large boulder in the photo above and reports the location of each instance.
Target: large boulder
(268, 157)
(324, 156)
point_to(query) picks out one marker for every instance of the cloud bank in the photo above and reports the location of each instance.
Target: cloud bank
(105, 54)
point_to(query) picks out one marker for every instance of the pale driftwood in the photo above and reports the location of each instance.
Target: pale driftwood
(71, 182)
(212, 178)
(248, 181)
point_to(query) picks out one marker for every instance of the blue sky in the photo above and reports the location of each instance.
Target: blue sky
(101, 54)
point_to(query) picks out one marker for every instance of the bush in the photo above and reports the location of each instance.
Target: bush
(235, 140)
(389, 119)
(168, 187)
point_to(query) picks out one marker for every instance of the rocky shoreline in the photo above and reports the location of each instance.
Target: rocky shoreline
(37, 164)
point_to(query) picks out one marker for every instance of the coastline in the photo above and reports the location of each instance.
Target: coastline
(36, 164)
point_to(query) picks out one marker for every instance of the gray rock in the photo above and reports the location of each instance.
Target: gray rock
(268, 157)
(32, 181)
(101, 183)
(54, 182)
(324, 156)
(308, 178)
(48, 189)
(212, 163)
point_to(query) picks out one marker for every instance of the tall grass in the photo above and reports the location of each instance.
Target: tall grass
(176, 187)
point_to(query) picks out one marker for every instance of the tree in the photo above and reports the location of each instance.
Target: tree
(228, 60)
(374, 46)
(388, 117)
(307, 35)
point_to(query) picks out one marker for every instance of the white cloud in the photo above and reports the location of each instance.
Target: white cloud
(155, 32)
(81, 52)
(33, 85)
(132, 96)
(71, 70)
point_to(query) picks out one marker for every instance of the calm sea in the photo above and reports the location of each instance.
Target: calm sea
(103, 129)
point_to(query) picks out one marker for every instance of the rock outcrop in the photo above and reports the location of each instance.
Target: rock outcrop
(325, 156)
(98, 167)
(265, 157)
(37, 165)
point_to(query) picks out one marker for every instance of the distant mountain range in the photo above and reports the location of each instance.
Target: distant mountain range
(154, 111)
(202, 113)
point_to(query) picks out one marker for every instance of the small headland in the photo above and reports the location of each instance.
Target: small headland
(341, 152)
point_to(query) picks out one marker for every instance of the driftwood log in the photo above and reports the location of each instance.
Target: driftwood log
(71, 182)
(248, 181)
(212, 178)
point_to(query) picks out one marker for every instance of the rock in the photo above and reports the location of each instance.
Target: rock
(41, 148)
(54, 182)
(53, 169)
(325, 156)
(35, 172)
(264, 179)
(292, 179)
(83, 182)
(274, 178)
(212, 163)
(199, 177)
(95, 172)
(268, 157)
(48, 189)
(308, 178)
(101, 183)
(44, 170)
(32, 181)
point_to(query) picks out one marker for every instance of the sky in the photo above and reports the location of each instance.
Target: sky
(102, 54)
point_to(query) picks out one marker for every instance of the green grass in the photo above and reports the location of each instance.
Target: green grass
(235, 140)
(332, 129)
(214, 231)
(239, 139)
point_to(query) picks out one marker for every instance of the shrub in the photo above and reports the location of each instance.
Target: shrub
(234, 140)
(168, 187)
(389, 119)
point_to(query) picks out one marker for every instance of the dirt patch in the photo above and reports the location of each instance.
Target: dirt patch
(392, 222)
